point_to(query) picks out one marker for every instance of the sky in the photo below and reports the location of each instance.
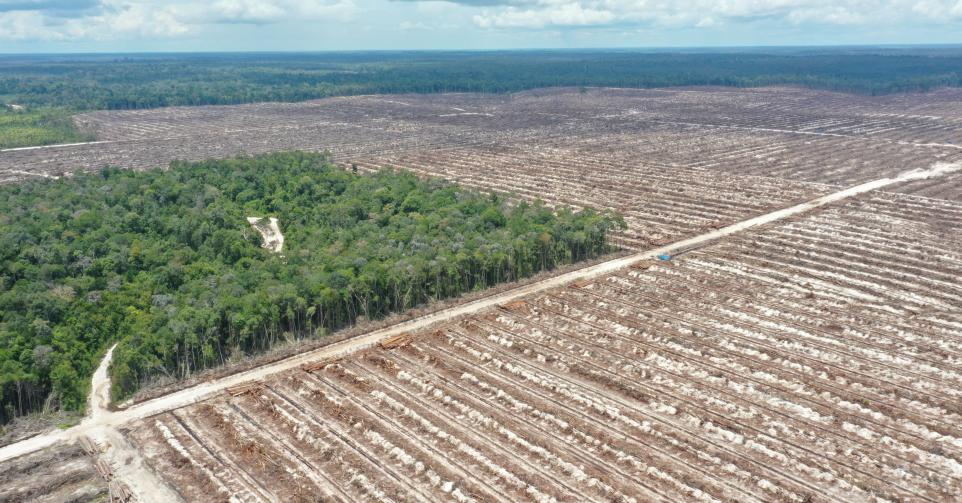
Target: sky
(30, 26)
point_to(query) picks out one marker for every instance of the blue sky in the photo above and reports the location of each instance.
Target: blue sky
(318, 25)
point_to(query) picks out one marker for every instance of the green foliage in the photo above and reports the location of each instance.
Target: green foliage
(88, 82)
(165, 262)
(27, 128)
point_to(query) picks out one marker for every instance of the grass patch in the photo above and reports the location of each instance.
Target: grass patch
(45, 126)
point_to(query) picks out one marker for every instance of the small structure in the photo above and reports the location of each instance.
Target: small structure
(664, 256)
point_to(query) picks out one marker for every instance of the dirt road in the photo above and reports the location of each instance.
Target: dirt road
(99, 397)
(205, 390)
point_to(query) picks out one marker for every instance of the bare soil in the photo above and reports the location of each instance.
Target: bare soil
(814, 359)
(804, 342)
(58, 474)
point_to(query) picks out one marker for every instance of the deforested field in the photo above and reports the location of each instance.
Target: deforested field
(813, 358)
(676, 162)
(56, 474)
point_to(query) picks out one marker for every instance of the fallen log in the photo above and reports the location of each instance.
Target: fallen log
(319, 365)
(517, 305)
(120, 493)
(88, 446)
(104, 469)
(242, 389)
(397, 341)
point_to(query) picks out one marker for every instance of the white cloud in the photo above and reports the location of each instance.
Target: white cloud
(567, 14)
(708, 13)
(118, 19)
(78, 20)
(110, 22)
(413, 25)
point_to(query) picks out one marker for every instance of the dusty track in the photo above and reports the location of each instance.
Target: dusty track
(103, 419)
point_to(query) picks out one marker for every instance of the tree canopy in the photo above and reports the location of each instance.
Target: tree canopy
(165, 263)
(93, 82)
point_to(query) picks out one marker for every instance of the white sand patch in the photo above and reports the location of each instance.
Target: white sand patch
(270, 231)
(59, 145)
(937, 169)
(467, 113)
(29, 173)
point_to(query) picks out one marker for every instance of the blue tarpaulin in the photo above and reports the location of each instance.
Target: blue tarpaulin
(664, 256)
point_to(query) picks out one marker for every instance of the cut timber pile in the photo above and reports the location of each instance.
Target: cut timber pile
(315, 366)
(518, 305)
(243, 389)
(88, 446)
(104, 469)
(120, 493)
(397, 341)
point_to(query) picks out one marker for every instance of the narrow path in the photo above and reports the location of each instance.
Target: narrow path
(205, 390)
(125, 461)
(58, 145)
(99, 398)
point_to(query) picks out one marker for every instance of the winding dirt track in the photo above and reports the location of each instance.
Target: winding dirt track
(102, 419)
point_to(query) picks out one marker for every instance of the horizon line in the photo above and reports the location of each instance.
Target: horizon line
(706, 48)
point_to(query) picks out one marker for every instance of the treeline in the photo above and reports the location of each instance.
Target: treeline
(59, 85)
(145, 81)
(164, 262)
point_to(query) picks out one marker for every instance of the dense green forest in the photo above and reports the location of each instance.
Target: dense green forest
(73, 83)
(165, 262)
(138, 81)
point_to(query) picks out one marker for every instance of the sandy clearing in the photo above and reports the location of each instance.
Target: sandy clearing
(938, 169)
(205, 390)
(28, 173)
(129, 467)
(273, 239)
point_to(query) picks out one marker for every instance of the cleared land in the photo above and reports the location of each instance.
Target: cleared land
(814, 358)
(57, 474)
(675, 162)
(812, 361)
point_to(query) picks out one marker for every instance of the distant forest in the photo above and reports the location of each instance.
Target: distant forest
(92, 82)
(41, 91)
(165, 263)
